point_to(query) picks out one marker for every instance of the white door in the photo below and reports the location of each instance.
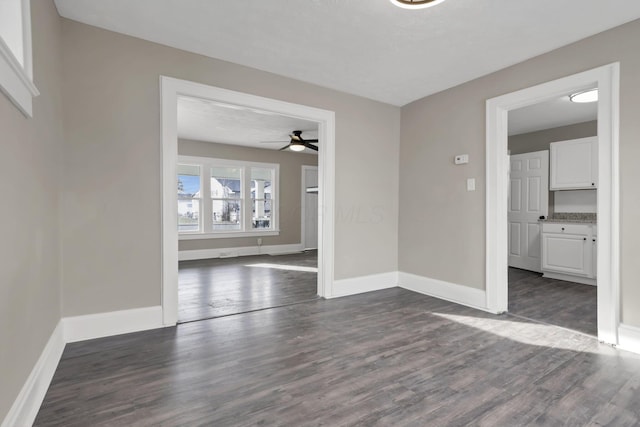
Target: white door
(310, 200)
(528, 200)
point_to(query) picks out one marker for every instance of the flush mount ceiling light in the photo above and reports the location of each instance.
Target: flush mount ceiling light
(296, 146)
(590, 95)
(415, 4)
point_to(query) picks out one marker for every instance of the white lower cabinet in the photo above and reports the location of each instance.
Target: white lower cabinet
(569, 252)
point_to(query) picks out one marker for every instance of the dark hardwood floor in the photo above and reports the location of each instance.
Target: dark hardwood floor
(386, 358)
(567, 304)
(220, 287)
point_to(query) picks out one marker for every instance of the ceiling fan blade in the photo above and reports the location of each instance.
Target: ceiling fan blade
(311, 140)
(284, 148)
(312, 147)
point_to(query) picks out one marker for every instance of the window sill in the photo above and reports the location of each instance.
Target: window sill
(15, 83)
(227, 235)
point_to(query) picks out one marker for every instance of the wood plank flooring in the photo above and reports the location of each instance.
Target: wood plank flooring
(386, 358)
(567, 304)
(220, 287)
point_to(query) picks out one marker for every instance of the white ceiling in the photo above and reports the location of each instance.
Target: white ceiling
(364, 47)
(204, 120)
(551, 114)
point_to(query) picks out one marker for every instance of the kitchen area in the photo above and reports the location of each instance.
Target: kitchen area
(552, 214)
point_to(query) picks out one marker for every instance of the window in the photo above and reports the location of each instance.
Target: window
(261, 197)
(226, 198)
(189, 198)
(16, 73)
(242, 200)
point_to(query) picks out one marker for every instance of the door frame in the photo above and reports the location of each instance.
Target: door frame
(607, 79)
(170, 90)
(303, 206)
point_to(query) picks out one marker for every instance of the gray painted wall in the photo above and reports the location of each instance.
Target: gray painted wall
(540, 140)
(290, 190)
(30, 294)
(112, 166)
(442, 226)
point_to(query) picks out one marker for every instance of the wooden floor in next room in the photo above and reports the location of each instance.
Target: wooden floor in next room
(220, 287)
(567, 304)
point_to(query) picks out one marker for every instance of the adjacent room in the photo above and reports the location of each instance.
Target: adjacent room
(342, 213)
(552, 212)
(252, 244)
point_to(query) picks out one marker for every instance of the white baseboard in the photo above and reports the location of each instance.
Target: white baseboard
(471, 297)
(80, 328)
(25, 408)
(242, 251)
(570, 278)
(629, 338)
(362, 284)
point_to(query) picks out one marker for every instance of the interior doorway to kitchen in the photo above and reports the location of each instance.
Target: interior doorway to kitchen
(552, 211)
(607, 262)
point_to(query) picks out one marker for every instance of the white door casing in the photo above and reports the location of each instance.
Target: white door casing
(170, 90)
(607, 79)
(528, 201)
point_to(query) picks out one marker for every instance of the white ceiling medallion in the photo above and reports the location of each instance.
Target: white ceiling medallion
(415, 4)
(590, 95)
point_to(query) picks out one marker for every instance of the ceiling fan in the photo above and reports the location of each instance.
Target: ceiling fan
(297, 142)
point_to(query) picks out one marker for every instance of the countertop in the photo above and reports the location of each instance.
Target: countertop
(576, 218)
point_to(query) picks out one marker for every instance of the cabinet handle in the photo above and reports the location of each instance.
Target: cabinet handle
(562, 228)
(593, 183)
(584, 238)
(594, 240)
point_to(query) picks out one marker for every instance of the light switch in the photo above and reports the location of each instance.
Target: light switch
(471, 184)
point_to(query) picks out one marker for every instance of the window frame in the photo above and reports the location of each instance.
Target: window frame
(16, 77)
(206, 230)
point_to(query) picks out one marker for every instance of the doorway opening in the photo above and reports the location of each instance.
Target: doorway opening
(607, 262)
(250, 211)
(552, 213)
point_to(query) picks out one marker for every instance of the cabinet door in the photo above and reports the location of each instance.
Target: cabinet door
(566, 253)
(574, 164)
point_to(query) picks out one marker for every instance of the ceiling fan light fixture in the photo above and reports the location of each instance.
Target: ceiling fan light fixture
(415, 4)
(296, 147)
(590, 95)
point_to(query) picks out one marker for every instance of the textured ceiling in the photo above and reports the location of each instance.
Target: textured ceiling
(551, 114)
(204, 120)
(364, 47)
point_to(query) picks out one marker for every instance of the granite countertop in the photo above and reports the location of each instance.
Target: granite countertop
(580, 218)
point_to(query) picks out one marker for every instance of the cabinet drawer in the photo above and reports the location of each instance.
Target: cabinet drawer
(583, 229)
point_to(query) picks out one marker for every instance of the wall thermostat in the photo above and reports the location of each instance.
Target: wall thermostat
(461, 159)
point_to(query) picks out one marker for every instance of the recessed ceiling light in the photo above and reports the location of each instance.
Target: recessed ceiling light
(590, 95)
(415, 4)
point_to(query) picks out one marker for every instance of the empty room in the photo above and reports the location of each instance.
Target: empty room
(383, 212)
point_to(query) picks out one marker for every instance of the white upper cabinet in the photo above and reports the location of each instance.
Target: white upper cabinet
(574, 164)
